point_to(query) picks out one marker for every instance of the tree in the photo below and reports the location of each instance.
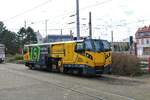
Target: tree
(14, 41)
(31, 36)
(8, 38)
(2, 28)
(26, 36)
(20, 36)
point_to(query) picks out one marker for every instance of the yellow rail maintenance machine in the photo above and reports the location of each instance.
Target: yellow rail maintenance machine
(86, 57)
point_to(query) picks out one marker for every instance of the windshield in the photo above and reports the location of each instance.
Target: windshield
(88, 45)
(97, 45)
(106, 45)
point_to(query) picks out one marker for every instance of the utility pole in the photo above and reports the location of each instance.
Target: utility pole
(25, 24)
(90, 26)
(112, 40)
(78, 19)
(25, 27)
(71, 34)
(21, 42)
(61, 34)
(46, 30)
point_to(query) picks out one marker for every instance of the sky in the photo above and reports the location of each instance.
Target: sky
(124, 17)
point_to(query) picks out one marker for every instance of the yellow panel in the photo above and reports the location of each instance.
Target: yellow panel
(82, 59)
(69, 53)
(98, 58)
(108, 58)
(57, 50)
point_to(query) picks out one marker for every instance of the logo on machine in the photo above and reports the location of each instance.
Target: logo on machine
(35, 53)
(89, 56)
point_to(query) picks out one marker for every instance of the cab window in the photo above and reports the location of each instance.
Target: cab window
(88, 45)
(79, 47)
(106, 45)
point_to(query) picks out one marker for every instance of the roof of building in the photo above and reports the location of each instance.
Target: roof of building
(144, 29)
(142, 32)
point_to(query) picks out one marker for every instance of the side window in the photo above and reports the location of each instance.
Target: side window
(88, 46)
(80, 47)
(106, 45)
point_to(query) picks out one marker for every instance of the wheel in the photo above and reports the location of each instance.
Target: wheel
(31, 66)
(60, 66)
(49, 67)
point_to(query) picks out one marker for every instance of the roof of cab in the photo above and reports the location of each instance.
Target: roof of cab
(53, 43)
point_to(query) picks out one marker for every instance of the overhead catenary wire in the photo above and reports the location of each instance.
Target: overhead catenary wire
(96, 4)
(71, 12)
(29, 10)
(90, 6)
(60, 15)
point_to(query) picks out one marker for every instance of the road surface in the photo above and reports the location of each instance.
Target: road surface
(17, 82)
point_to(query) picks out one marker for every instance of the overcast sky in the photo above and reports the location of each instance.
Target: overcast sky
(121, 16)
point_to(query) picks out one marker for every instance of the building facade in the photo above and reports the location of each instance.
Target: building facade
(39, 37)
(120, 46)
(143, 41)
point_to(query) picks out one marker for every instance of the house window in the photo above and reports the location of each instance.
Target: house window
(147, 41)
(146, 51)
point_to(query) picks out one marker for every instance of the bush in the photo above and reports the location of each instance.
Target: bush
(14, 58)
(18, 57)
(125, 64)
